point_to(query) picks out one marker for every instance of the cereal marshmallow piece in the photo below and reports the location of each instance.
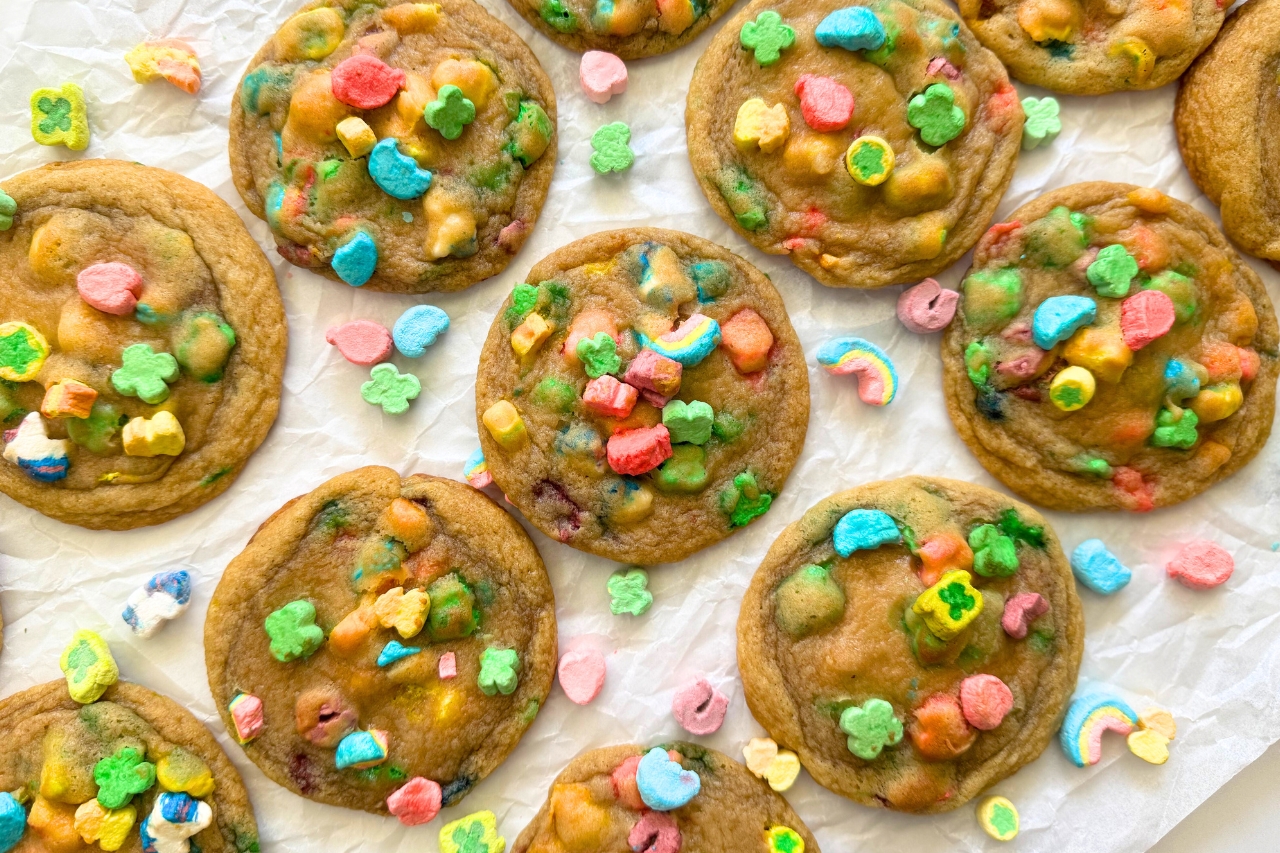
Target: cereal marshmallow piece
(476, 470)
(877, 377)
(310, 35)
(870, 728)
(8, 208)
(165, 596)
(450, 112)
(1042, 125)
(246, 715)
(1020, 611)
(655, 373)
(766, 37)
(581, 673)
(699, 708)
(864, 530)
(607, 396)
(418, 328)
(13, 821)
(998, 818)
(783, 839)
(1058, 318)
(160, 435)
(761, 126)
(473, 78)
(173, 821)
(637, 451)
(826, 104)
(68, 398)
(365, 82)
(404, 611)
(411, 18)
(869, 160)
(1101, 350)
(108, 828)
(853, 28)
(602, 75)
(629, 592)
(144, 373)
(504, 423)
(1088, 718)
(54, 825)
(361, 342)
(949, 606)
(361, 750)
(88, 666)
(1137, 52)
(530, 133)
(530, 334)
(59, 117)
(1049, 20)
(934, 113)
(416, 801)
(941, 553)
(122, 775)
(985, 701)
(938, 729)
(183, 772)
(356, 136)
(690, 342)
(23, 351)
(747, 339)
(396, 174)
(689, 423)
(1217, 402)
(475, 832)
(112, 288)
(389, 388)
(664, 283)
(498, 671)
(171, 60)
(664, 785)
(611, 149)
(1072, 388)
(293, 631)
(1201, 564)
(451, 224)
(586, 326)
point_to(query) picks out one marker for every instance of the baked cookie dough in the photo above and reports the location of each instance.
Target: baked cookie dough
(596, 804)
(403, 628)
(914, 641)
(1092, 47)
(1111, 351)
(1227, 111)
(142, 342)
(50, 746)
(642, 396)
(395, 146)
(870, 142)
(629, 29)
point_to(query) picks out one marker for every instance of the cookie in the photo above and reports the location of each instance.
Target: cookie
(642, 396)
(142, 342)
(1080, 48)
(105, 768)
(1111, 351)
(914, 641)
(378, 632)
(395, 146)
(605, 800)
(629, 29)
(1226, 111)
(871, 143)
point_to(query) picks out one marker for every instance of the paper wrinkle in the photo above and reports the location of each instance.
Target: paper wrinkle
(1212, 658)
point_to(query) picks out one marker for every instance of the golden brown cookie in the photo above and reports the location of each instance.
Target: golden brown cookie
(914, 641)
(407, 623)
(630, 29)
(643, 395)
(142, 343)
(870, 142)
(50, 746)
(396, 146)
(597, 803)
(1111, 351)
(1227, 110)
(1092, 47)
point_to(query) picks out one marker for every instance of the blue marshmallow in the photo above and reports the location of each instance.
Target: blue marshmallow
(864, 529)
(359, 750)
(1099, 569)
(355, 261)
(665, 785)
(854, 28)
(397, 174)
(418, 329)
(394, 651)
(1058, 317)
(13, 822)
(1180, 380)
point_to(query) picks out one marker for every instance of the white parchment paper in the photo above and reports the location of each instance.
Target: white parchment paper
(1213, 658)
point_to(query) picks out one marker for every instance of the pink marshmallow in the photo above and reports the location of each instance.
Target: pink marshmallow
(927, 307)
(1145, 316)
(112, 288)
(1020, 611)
(658, 374)
(448, 666)
(639, 451)
(581, 674)
(362, 342)
(985, 700)
(655, 832)
(603, 75)
(365, 82)
(1201, 564)
(699, 708)
(415, 802)
(606, 396)
(825, 103)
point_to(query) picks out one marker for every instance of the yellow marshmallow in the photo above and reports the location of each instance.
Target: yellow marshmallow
(451, 224)
(1101, 350)
(1139, 53)
(1072, 389)
(761, 125)
(410, 18)
(404, 611)
(160, 435)
(68, 398)
(1217, 402)
(475, 79)
(356, 136)
(504, 423)
(530, 334)
(108, 827)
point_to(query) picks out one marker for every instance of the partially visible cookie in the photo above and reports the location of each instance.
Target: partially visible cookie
(630, 29)
(393, 145)
(105, 767)
(1092, 47)
(1111, 351)
(1227, 113)
(596, 804)
(914, 641)
(142, 343)
(870, 142)
(643, 395)
(381, 630)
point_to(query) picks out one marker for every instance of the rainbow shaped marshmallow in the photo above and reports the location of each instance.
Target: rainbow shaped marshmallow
(877, 380)
(1087, 719)
(690, 342)
(476, 470)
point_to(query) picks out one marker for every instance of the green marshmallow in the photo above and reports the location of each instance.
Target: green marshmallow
(1056, 240)
(293, 631)
(629, 592)
(144, 373)
(453, 613)
(1112, 271)
(612, 152)
(994, 554)
(122, 775)
(498, 671)
(992, 298)
(808, 602)
(599, 355)
(934, 113)
(978, 361)
(744, 501)
(555, 395)
(1172, 431)
(530, 133)
(870, 728)
(688, 422)
(97, 432)
(203, 344)
(685, 472)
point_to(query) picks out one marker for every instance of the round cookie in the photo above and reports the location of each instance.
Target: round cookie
(914, 641)
(643, 396)
(871, 142)
(1092, 48)
(630, 29)
(1111, 351)
(596, 804)
(142, 342)
(444, 205)
(412, 610)
(51, 744)
(1227, 109)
